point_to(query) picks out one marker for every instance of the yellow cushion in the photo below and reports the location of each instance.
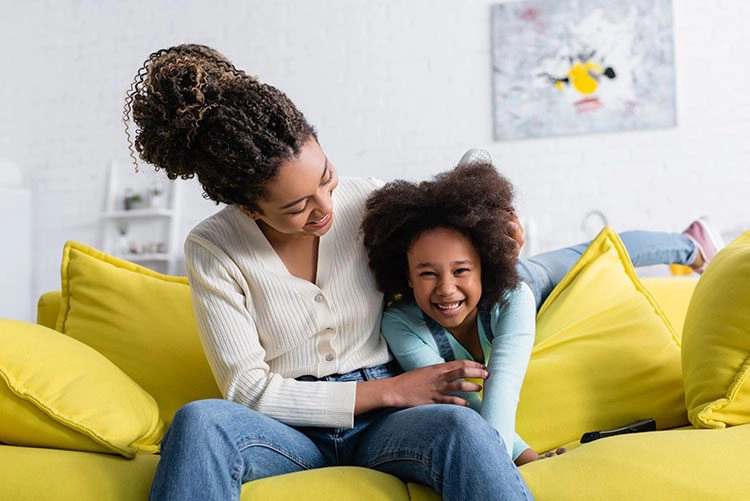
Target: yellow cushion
(716, 351)
(30, 473)
(48, 308)
(325, 484)
(676, 464)
(605, 354)
(673, 295)
(56, 392)
(139, 319)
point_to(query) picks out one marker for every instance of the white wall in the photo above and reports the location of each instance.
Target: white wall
(395, 88)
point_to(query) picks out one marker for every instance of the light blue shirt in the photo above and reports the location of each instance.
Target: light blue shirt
(513, 329)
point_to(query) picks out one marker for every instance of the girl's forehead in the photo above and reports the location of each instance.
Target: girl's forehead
(441, 241)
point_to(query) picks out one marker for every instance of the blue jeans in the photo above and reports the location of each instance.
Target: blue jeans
(214, 446)
(646, 248)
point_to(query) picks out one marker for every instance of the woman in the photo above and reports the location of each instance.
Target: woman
(287, 308)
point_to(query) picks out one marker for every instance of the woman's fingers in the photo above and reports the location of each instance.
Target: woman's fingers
(474, 371)
(463, 386)
(454, 401)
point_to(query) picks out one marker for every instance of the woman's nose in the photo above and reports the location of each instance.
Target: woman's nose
(323, 202)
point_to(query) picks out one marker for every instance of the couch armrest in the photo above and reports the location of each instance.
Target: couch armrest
(47, 308)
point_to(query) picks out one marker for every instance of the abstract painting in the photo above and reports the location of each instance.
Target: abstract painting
(582, 66)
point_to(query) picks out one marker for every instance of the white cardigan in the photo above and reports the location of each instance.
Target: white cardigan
(261, 326)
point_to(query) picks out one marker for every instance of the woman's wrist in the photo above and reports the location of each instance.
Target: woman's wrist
(373, 395)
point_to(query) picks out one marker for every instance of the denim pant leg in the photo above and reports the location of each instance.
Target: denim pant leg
(448, 447)
(646, 248)
(214, 446)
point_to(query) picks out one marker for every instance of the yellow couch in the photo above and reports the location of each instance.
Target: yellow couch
(679, 463)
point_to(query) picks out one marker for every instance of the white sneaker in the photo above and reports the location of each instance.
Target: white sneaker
(475, 156)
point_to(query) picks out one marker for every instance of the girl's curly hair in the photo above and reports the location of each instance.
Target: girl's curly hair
(198, 115)
(473, 199)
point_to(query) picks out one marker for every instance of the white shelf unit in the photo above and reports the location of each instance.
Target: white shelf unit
(161, 224)
(16, 300)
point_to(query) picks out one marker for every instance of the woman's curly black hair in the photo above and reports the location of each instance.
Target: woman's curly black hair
(198, 115)
(475, 200)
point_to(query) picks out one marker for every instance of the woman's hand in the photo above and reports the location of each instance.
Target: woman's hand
(434, 384)
(426, 385)
(516, 232)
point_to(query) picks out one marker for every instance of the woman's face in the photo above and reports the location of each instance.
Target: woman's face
(445, 274)
(299, 201)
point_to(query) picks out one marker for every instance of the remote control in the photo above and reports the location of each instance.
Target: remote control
(642, 425)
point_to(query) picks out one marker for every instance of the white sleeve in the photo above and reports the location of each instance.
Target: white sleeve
(237, 359)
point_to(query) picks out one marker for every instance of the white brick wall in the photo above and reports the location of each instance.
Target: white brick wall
(395, 88)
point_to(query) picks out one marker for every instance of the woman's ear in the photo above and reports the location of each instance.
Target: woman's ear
(250, 213)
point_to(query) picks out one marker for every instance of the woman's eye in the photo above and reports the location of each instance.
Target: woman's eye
(330, 177)
(296, 213)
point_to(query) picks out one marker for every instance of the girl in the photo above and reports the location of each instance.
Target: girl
(444, 253)
(286, 307)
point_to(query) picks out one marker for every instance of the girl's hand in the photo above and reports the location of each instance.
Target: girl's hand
(556, 452)
(434, 384)
(529, 455)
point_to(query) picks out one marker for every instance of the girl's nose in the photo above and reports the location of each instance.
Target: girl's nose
(446, 286)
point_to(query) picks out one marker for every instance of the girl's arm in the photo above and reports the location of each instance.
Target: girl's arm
(514, 329)
(414, 351)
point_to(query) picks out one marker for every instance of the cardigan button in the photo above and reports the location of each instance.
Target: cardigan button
(319, 298)
(330, 357)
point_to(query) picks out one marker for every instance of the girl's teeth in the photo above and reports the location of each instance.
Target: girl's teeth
(452, 306)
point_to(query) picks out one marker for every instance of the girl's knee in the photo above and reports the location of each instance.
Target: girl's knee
(453, 418)
(465, 425)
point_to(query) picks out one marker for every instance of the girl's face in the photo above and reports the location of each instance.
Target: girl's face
(446, 275)
(299, 201)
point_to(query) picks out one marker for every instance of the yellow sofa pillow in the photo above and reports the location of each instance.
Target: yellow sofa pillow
(604, 356)
(139, 319)
(716, 341)
(56, 392)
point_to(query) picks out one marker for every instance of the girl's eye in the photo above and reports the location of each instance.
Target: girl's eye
(461, 271)
(427, 274)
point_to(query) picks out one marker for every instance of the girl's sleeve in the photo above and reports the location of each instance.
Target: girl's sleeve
(237, 359)
(514, 328)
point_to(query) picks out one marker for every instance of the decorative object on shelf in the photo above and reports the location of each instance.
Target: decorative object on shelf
(581, 67)
(123, 246)
(135, 247)
(131, 200)
(156, 198)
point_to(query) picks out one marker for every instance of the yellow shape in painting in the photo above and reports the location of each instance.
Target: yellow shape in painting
(559, 86)
(580, 77)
